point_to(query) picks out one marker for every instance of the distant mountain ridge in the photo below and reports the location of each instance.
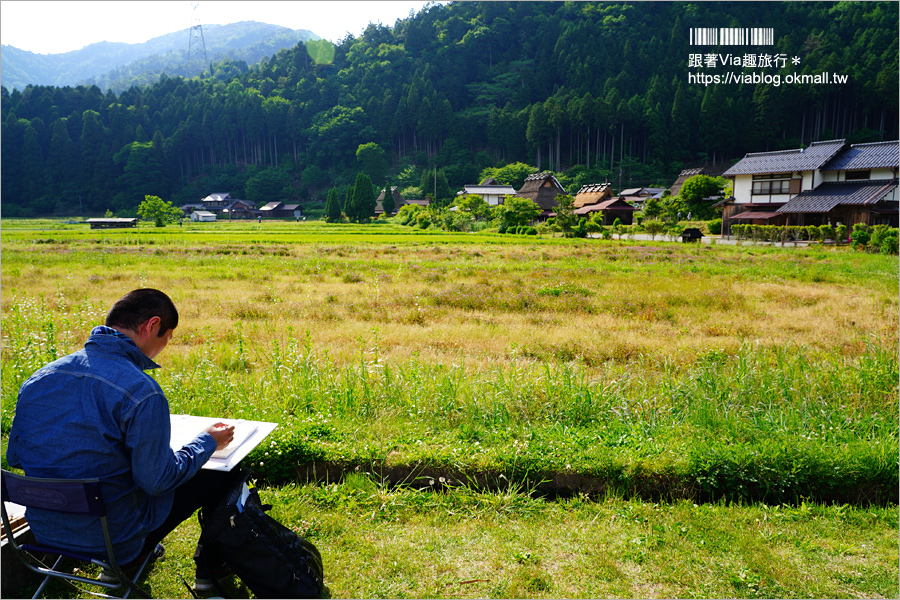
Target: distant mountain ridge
(119, 65)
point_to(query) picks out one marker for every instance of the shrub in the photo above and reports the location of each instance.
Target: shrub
(877, 234)
(714, 227)
(423, 220)
(530, 231)
(860, 235)
(826, 232)
(890, 241)
(654, 227)
(841, 233)
(408, 213)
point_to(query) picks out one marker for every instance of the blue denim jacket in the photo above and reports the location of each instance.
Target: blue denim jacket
(95, 413)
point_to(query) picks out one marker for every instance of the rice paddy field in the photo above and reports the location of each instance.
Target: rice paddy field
(484, 415)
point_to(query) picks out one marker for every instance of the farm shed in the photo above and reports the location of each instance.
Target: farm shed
(112, 223)
(203, 216)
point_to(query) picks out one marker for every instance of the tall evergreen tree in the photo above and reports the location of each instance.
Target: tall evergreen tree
(364, 200)
(332, 207)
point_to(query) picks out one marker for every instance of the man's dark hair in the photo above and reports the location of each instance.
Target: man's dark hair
(138, 306)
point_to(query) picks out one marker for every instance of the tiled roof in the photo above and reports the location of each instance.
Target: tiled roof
(539, 176)
(783, 161)
(217, 197)
(593, 187)
(867, 156)
(612, 204)
(835, 193)
(490, 189)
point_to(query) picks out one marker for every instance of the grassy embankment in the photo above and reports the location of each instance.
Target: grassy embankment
(643, 370)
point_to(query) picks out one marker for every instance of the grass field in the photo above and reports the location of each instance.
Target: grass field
(690, 408)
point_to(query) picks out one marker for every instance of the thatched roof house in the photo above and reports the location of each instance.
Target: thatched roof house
(542, 189)
(398, 200)
(593, 193)
(612, 209)
(684, 176)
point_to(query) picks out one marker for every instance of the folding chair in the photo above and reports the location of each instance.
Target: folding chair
(69, 496)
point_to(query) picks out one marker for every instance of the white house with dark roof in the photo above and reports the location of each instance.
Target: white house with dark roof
(828, 182)
(492, 194)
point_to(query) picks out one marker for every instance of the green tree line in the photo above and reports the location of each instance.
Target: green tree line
(595, 90)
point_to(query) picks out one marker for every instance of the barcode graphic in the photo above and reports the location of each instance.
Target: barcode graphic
(732, 36)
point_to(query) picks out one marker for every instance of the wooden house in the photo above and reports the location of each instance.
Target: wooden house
(280, 210)
(240, 209)
(493, 194)
(637, 196)
(684, 176)
(542, 189)
(593, 193)
(829, 182)
(224, 204)
(612, 209)
(217, 200)
(599, 198)
(398, 201)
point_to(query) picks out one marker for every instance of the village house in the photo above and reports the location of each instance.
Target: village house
(492, 192)
(542, 189)
(224, 204)
(280, 210)
(637, 196)
(684, 176)
(398, 202)
(598, 198)
(829, 182)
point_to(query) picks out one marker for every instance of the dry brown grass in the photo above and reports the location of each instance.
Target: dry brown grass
(489, 305)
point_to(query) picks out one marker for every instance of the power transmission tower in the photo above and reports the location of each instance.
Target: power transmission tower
(196, 42)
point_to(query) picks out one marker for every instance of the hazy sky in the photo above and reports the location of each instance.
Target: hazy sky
(50, 27)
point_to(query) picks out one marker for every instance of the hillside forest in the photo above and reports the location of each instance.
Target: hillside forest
(590, 90)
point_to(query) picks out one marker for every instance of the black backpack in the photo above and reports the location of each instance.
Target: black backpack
(271, 560)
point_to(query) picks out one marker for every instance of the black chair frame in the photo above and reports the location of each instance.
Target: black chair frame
(67, 496)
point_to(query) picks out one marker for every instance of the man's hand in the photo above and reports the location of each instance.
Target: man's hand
(222, 433)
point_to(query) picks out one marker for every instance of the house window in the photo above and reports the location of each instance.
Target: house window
(856, 175)
(772, 183)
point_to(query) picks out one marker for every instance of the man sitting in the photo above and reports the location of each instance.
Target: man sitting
(95, 413)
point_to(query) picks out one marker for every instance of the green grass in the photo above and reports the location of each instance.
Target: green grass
(401, 543)
(488, 375)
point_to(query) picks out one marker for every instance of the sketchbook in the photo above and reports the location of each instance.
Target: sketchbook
(247, 435)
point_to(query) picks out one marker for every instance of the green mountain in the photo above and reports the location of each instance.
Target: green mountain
(118, 66)
(593, 91)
